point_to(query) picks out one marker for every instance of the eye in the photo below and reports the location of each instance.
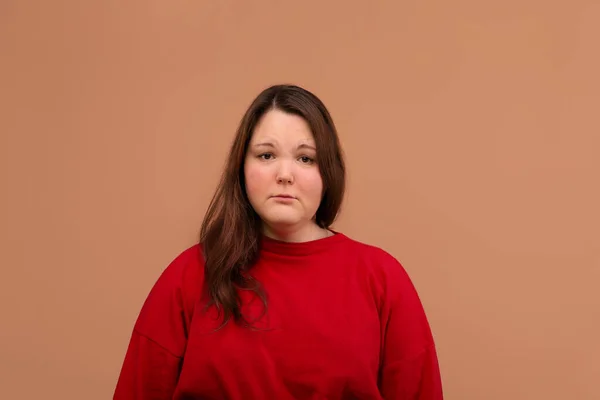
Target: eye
(266, 156)
(306, 160)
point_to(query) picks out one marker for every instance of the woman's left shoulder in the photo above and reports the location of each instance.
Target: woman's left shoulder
(382, 270)
(374, 256)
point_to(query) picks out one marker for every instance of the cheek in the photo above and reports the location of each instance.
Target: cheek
(256, 180)
(313, 186)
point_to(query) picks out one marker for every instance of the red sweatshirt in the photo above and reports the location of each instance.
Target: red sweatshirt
(344, 322)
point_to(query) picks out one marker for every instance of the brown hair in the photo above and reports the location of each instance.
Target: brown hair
(231, 230)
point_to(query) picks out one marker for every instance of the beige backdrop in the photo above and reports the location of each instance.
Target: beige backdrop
(473, 140)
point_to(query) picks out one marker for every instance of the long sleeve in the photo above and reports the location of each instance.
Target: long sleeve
(149, 372)
(410, 368)
(152, 363)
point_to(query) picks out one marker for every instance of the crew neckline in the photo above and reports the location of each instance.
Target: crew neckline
(275, 246)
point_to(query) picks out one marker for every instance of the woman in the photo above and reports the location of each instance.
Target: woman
(272, 303)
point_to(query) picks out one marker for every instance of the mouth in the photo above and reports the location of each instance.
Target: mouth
(283, 196)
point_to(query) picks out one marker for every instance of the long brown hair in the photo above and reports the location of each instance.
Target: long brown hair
(231, 230)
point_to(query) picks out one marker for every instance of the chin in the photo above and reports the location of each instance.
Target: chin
(282, 220)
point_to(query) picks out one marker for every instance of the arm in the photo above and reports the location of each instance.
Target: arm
(149, 371)
(152, 363)
(410, 368)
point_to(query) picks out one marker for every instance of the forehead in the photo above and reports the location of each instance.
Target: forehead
(283, 128)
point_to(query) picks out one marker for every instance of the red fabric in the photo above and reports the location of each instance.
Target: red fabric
(344, 322)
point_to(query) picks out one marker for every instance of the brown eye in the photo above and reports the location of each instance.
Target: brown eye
(266, 156)
(306, 160)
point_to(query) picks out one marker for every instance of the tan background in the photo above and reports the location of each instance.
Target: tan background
(473, 140)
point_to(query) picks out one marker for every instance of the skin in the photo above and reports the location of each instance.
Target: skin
(281, 160)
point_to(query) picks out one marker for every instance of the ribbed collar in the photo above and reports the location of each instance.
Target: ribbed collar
(298, 249)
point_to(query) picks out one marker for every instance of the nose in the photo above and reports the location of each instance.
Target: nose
(284, 174)
(285, 179)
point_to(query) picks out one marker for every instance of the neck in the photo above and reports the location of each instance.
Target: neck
(296, 235)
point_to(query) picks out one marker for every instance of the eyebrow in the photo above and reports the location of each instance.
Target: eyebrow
(301, 146)
(264, 144)
(307, 146)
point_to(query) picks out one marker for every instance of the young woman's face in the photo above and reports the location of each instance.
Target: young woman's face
(283, 182)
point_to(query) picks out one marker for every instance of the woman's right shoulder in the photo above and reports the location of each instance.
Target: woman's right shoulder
(179, 286)
(184, 274)
(186, 267)
(173, 296)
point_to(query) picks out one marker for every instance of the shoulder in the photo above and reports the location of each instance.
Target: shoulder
(386, 270)
(187, 265)
(177, 287)
(166, 313)
(388, 281)
(374, 256)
